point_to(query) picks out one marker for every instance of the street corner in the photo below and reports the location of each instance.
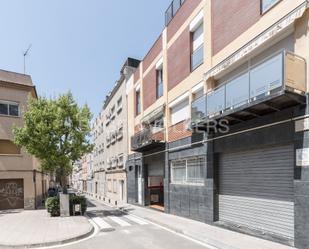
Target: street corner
(27, 229)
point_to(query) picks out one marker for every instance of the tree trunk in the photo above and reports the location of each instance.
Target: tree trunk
(63, 181)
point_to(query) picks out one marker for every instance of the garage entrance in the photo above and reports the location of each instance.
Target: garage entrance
(11, 194)
(256, 190)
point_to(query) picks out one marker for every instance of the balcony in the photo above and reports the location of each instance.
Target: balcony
(277, 83)
(172, 10)
(147, 139)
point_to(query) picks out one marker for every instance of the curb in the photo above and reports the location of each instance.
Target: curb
(49, 244)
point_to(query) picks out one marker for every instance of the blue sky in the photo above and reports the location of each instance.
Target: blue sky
(77, 45)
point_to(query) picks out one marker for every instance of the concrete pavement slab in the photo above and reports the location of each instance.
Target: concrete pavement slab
(21, 229)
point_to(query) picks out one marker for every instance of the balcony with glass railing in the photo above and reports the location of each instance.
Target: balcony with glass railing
(148, 138)
(172, 10)
(274, 84)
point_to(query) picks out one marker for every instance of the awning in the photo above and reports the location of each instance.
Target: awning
(258, 41)
(157, 113)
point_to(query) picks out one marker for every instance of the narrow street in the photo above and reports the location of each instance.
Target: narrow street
(118, 230)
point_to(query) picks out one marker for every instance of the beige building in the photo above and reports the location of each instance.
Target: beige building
(98, 156)
(109, 132)
(22, 184)
(115, 137)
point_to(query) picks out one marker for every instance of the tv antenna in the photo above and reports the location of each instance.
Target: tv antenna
(25, 54)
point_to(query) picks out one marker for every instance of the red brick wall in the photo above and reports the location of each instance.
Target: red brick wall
(178, 131)
(153, 53)
(230, 19)
(136, 74)
(181, 16)
(137, 128)
(159, 136)
(149, 88)
(178, 59)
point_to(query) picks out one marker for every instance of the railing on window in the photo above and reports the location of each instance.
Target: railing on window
(172, 10)
(282, 71)
(197, 57)
(147, 136)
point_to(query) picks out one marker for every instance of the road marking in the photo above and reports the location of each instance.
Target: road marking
(139, 221)
(103, 225)
(119, 221)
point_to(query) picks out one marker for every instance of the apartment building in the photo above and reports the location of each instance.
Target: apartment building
(84, 173)
(109, 131)
(98, 156)
(116, 139)
(22, 184)
(77, 176)
(217, 117)
(90, 174)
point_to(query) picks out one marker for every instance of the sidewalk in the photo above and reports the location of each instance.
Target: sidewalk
(21, 229)
(212, 235)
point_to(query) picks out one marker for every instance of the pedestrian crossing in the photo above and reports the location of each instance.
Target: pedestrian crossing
(111, 222)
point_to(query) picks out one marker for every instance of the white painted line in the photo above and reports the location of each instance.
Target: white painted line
(208, 246)
(139, 221)
(102, 223)
(119, 221)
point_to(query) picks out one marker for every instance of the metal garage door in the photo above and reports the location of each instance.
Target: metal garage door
(256, 189)
(11, 194)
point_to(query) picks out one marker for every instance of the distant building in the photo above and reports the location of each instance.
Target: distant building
(77, 176)
(111, 142)
(22, 183)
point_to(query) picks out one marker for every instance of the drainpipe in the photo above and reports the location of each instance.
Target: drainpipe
(34, 185)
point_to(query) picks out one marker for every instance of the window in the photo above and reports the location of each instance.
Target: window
(158, 122)
(188, 171)
(267, 4)
(180, 112)
(115, 186)
(119, 104)
(120, 131)
(9, 109)
(138, 102)
(198, 94)
(197, 55)
(159, 82)
(8, 148)
(112, 112)
(109, 185)
(120, 160)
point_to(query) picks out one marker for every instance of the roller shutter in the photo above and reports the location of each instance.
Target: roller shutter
(256, 189)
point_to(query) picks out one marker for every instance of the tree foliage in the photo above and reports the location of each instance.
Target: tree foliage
(56, 131)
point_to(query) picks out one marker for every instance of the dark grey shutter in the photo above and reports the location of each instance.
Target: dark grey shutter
(256, 189)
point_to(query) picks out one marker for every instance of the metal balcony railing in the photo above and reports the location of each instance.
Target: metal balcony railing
(149, 137)
(279, 74)
(172, 10)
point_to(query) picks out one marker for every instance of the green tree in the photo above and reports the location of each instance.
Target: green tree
(57, 132)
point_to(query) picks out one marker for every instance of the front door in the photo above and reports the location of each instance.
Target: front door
(11, 194)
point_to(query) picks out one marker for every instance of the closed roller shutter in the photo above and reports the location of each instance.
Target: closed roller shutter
(256, 189)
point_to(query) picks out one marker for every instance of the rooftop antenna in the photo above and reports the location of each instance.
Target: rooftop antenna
(25, 54)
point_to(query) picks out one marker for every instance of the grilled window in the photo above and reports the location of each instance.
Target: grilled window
(188, 171)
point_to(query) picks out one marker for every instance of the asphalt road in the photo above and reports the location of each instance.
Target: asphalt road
(119, 231)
